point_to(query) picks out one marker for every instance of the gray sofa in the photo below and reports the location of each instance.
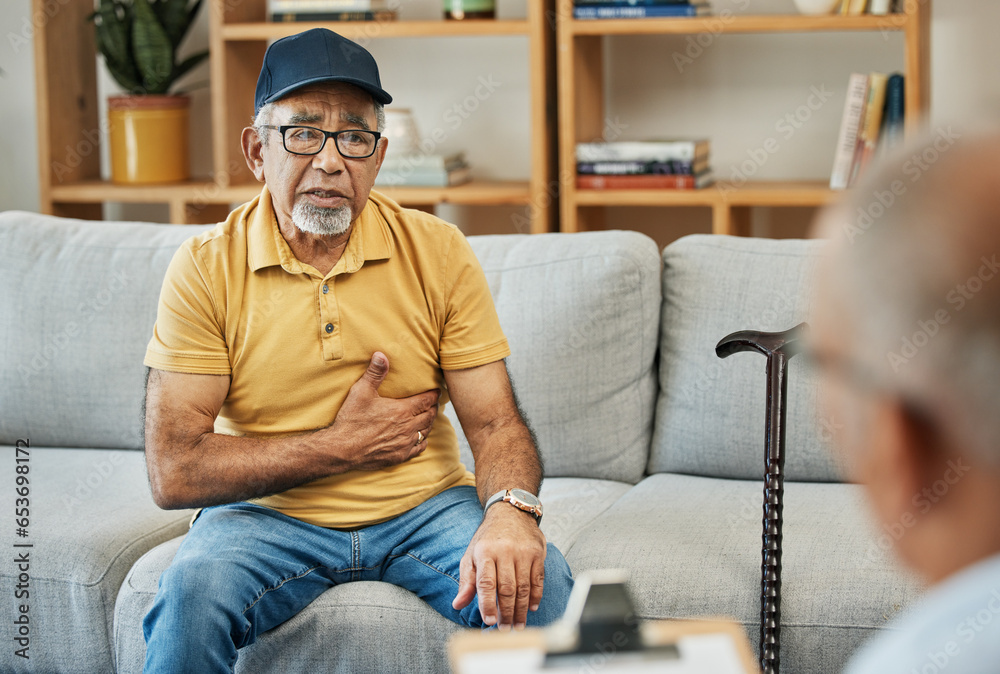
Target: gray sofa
(653, 448)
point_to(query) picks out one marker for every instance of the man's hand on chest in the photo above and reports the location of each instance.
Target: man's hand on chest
(377, 432)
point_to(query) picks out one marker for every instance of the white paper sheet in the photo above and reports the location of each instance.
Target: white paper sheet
(700, 654)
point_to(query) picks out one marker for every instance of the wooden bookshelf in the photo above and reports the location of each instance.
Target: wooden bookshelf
(581, 75)
(205, 201)
(384, 29)
(68, 117)
(738, 24)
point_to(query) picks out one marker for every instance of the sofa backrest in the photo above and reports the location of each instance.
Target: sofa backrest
(77, 302)
(79, 299)
(580, 312)
(710, 412)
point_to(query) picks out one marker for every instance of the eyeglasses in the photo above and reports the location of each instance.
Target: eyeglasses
(308, 140)
(861, 378)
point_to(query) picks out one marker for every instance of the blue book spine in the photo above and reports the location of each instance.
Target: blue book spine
(891, 134)
(614, 11)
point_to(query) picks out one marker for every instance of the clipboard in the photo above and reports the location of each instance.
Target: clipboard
(599, 633)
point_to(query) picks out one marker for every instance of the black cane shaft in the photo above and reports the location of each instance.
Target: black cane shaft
(778, 347)
(774, 468)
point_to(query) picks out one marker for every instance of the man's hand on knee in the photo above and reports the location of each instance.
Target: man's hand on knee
(505, 566)
(380, 432)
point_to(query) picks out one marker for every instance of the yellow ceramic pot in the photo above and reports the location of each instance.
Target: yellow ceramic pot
(149, 139)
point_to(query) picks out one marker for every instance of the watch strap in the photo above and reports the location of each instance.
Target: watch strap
(502, 495)
(493, 500)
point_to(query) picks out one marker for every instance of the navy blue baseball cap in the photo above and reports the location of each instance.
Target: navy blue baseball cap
(317, 55)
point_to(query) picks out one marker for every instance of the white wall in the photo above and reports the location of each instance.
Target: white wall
(735, 93)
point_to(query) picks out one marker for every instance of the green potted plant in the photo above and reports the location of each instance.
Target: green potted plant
(139, 40)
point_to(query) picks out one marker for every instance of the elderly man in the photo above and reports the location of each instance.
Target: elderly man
(907, 335)
(301, 352)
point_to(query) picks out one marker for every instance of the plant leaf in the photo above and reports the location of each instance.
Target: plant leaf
(154, 54)
(113, 43)
(192, 13)
(139, 41)
(172, 15)
(189, 63)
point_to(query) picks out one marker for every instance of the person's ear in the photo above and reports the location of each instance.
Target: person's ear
(253, 150)
(380, 148)
(911, 457)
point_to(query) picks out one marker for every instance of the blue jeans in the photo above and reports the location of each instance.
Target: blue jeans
(244, 569)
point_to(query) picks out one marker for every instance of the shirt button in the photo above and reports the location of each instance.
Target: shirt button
(329, 328)
(326, 289)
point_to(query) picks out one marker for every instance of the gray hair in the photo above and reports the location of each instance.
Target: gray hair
(915, 267)
(264, 115)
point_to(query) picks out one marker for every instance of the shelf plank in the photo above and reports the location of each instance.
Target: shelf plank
(761, 193)
(486, 193)
(739, 24)
(781, 193)
(190, 191)
(469, 194)
(378, 29)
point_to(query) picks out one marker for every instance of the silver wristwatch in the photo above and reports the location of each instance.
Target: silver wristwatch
(520, 499)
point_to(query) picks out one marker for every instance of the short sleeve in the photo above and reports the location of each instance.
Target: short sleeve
(188, 335)
(472, 335)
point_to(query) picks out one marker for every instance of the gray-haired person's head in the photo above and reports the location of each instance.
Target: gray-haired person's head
(914, 276)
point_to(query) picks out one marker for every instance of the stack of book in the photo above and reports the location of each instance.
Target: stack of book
(638, 9)
(331, 10)
(856, 7)
(650, 164)
(872, 124)
(424, 170)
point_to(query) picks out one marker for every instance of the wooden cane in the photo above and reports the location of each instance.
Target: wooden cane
(779, 347)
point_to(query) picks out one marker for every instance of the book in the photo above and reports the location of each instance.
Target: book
(673, 167)
(857, 7)
(895, 112)
(428, 177)
(372, 15)
(879, 7)
(412, 162)
(643, 150)
(843, 160)
(644, 182)
(871, 124)
(615, 11)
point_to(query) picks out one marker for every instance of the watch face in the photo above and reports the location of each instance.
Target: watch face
(525, 497)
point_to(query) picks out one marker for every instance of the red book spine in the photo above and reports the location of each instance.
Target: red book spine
(635, 182)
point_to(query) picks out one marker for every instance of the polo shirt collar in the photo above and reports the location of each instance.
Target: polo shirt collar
(370, 240)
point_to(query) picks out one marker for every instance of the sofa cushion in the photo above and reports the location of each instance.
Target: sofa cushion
(351, 628)
(692, 547)
(356, 627)
(570, 504)
(710, 412)
(580, 312)
(91, 517)
(83, 297)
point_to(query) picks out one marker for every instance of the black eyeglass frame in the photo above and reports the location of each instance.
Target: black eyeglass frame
(861, 379)
(327, 135)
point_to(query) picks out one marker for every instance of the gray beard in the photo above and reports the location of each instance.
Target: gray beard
(314, 219)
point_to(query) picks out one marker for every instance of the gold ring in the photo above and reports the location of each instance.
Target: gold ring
(420, 437)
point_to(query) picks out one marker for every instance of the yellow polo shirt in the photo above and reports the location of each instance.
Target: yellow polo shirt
(236, 301)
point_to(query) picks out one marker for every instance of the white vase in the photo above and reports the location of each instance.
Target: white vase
(816, 6)
(401, 130)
